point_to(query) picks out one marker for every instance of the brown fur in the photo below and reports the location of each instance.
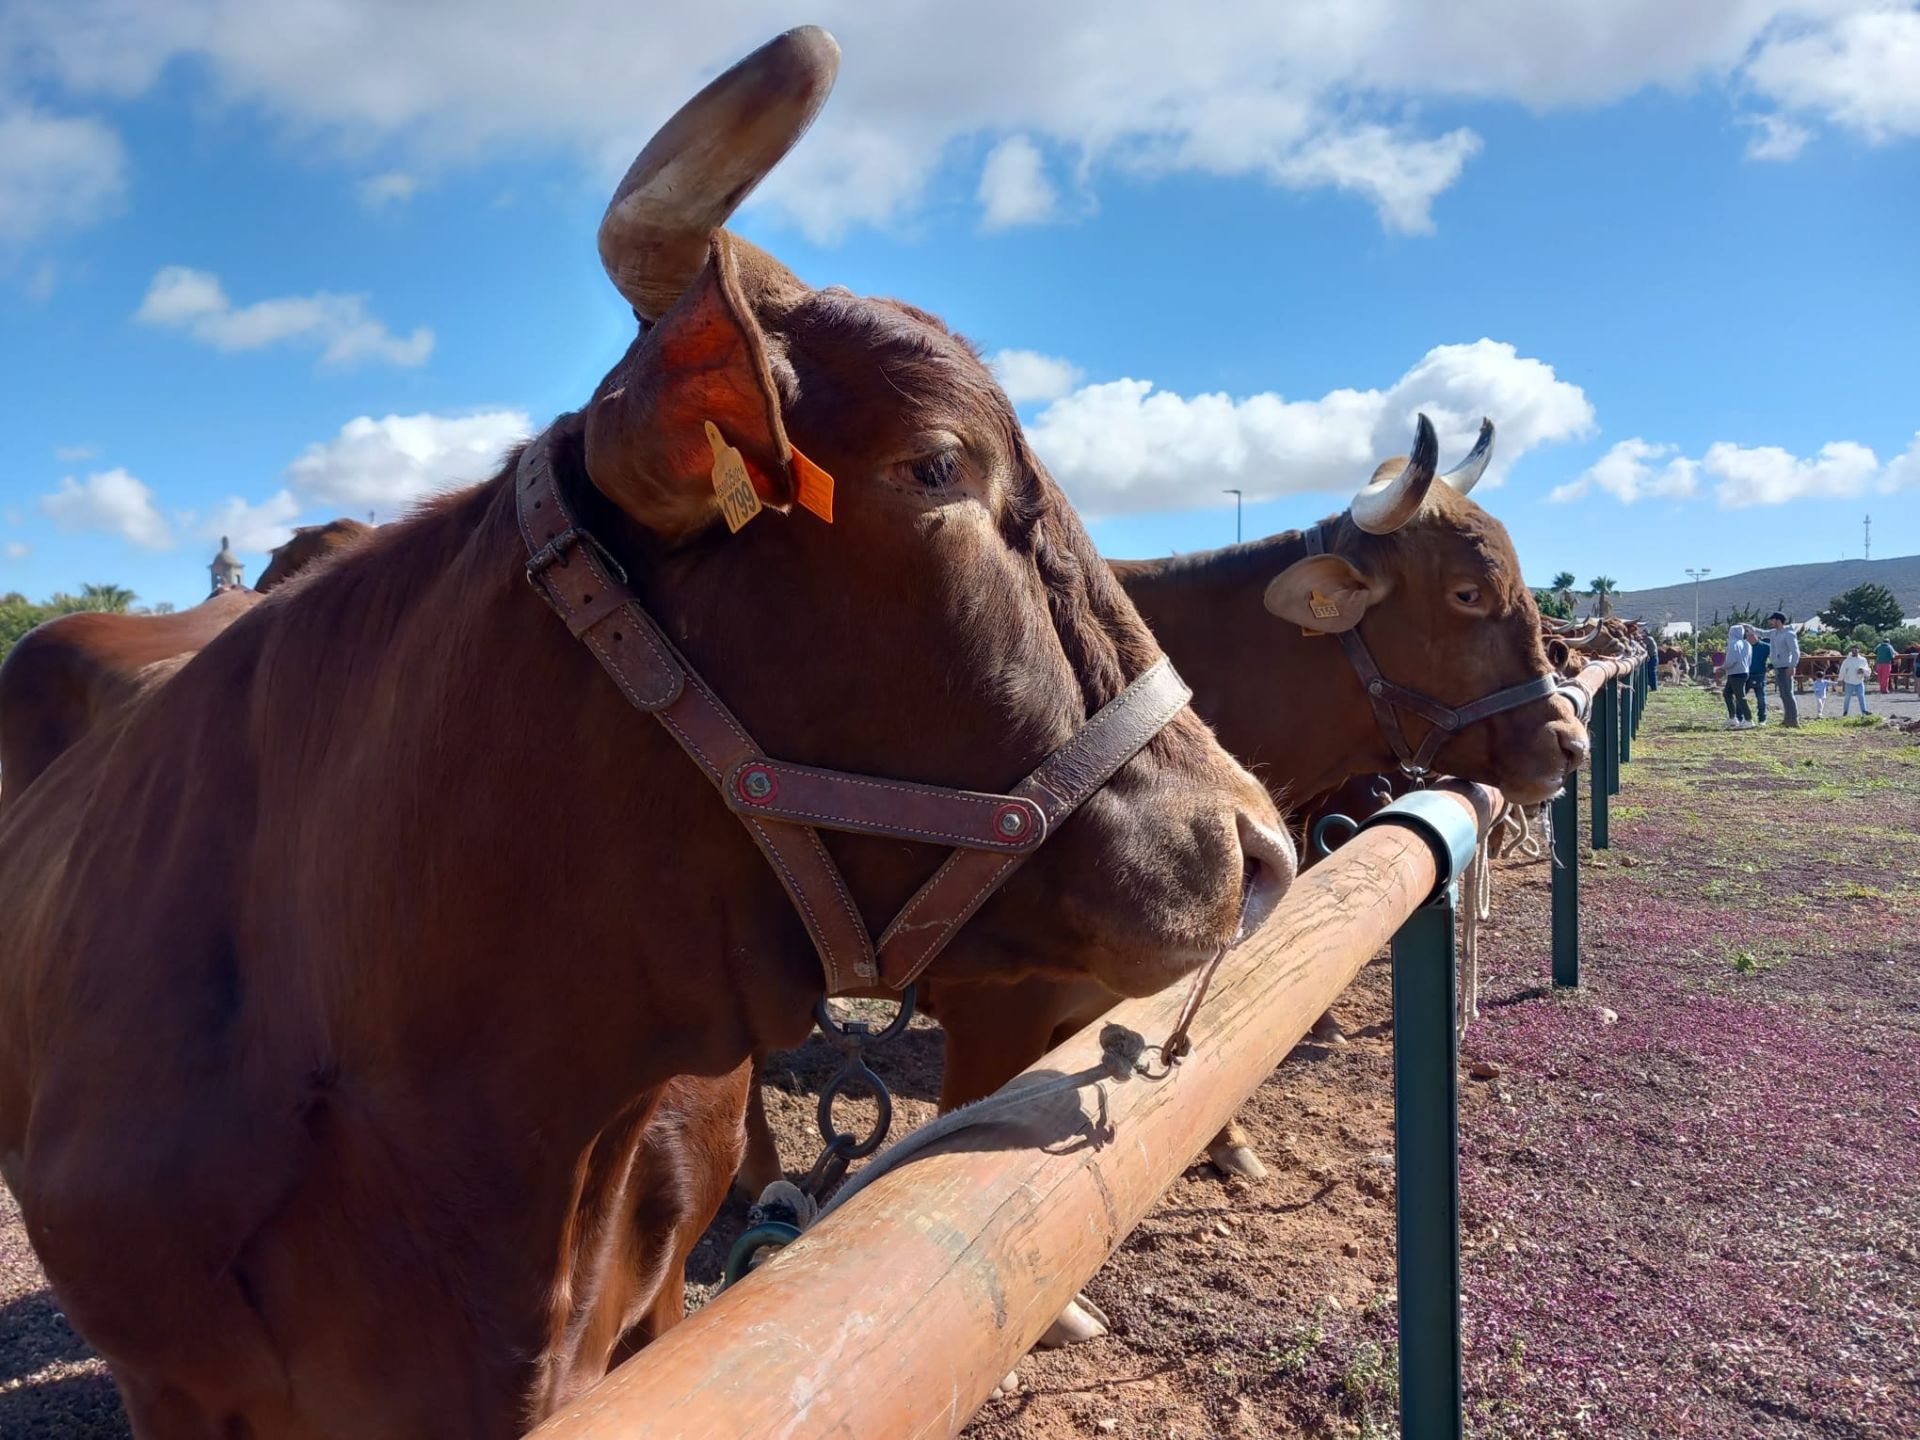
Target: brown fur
(355, 984)
(309, 544)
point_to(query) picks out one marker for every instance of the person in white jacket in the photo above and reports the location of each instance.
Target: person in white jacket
(1853, 681)
(1785, 659)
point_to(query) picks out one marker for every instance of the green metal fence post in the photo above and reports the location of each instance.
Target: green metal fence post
(1426, 1138)
(1619, 738)
(1630, 706)
(1605, 746)
(1427, 1159)
(1566, 883)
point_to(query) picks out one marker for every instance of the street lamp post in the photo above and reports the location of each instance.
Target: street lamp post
(1698, 576)
(1236, 513)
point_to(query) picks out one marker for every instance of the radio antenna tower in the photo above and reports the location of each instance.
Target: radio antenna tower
(1868, 523)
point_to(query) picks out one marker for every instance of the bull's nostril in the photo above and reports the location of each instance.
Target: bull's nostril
(1267, 870)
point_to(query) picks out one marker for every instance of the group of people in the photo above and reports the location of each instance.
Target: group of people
(1751, 653)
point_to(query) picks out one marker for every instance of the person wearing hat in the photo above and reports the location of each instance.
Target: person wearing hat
(1784, 656)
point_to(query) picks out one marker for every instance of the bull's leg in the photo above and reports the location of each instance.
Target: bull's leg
(761, 1167)
(1231, 1151)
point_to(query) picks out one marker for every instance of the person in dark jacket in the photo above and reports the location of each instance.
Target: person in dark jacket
(1757, 674)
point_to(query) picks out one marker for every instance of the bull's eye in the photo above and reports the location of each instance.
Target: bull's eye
(1467, 595)
(937, 471)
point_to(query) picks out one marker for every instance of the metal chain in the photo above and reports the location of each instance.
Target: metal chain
(853, 1038)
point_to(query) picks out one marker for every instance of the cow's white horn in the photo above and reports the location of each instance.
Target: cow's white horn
(705, 160)
(1464, 476)
(1393, 499)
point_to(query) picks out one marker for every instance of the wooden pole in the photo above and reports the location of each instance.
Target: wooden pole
(896, 1315)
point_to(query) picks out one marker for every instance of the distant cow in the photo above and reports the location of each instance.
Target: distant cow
(309, 543)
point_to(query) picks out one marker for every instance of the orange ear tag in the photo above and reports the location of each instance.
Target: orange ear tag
(1322, 607)
(816, 486)
(738, 501)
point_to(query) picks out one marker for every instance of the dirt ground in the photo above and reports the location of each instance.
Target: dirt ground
(1691, 1192)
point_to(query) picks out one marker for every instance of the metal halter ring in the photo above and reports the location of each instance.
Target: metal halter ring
(1324, 847)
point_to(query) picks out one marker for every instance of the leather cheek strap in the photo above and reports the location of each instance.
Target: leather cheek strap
(784, 805)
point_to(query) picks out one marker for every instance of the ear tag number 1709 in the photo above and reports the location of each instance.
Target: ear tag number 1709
(739, 502)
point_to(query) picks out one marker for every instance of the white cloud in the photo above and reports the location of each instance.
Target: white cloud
(57, 172)
(1027, 375)
(1627, 473)
(391, 188)
(1123, 446)
(71, 454)
(181, 298)
(1776, 138)
(1014, 188)
(253, 527)
(112, 501)
(388, 463)
(1903, 471)
(1313, 94)
(18, 549)
(1768, 475)
(1861, 71)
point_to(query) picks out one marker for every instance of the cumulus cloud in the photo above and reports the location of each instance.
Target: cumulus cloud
(1331, 95)
(387, 463)
(1768, 475)
(112, 501)
(1860, 70)
(1027, 375)
(194, 301)
(250, 526)
(57, 172)
(1014, 188)
(390, 188)
(1122, 445)
(1631, 471)
(1903, 471)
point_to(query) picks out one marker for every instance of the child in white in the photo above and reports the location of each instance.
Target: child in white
(1819, 697)
(1853, 681)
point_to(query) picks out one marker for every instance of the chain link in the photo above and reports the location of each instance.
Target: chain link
(852, 1038)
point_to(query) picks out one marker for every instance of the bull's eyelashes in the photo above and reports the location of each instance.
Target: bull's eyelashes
(1467, 597)
(936, 472)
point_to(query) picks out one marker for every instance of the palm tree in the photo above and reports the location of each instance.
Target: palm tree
(1601, 587)
(107, 597)
(1563, 587)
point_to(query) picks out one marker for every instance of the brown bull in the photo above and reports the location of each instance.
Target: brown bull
(1431, 582)
(309, 543)
(352, 980)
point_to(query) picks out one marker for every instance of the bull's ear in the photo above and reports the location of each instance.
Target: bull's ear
(1322, 592)
(705, 361)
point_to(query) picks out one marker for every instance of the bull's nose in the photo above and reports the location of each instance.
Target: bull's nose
(1270, 866)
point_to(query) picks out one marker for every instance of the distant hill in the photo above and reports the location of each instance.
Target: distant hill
(1800, 590)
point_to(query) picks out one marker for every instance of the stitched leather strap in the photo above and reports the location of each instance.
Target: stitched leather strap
(783, 805)
(1443, 721)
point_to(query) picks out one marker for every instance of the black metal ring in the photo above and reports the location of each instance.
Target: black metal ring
(1321, 847)
(856, 1072)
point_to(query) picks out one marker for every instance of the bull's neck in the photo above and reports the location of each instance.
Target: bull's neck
(1287, 704)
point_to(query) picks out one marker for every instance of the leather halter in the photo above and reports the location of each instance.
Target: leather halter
(785, 806)
(1443, 721)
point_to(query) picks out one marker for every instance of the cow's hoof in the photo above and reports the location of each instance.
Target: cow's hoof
(1231, 1157)
(1009, 1385)
(1081, 1320)
(1327, 1030)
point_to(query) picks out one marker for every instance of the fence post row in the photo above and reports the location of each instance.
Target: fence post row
(1604, 748)
(1566, 883)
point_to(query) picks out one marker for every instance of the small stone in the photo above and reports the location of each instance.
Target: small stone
(1220, 1227)
(1484, 1070)
(1349, 1249)
(1009, 1384)
(1608, 1017)
(1333, 1303)
(1107, 1424)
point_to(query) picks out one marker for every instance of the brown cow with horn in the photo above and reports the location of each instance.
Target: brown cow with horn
(1425, 588)
(373, 1106)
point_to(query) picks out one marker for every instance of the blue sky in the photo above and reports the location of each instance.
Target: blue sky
(263, 265)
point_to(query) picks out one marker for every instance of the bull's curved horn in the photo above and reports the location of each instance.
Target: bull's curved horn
(705, 160)
(1392, 499)
(1464, 476)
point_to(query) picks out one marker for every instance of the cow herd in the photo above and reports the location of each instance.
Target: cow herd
(381, 968)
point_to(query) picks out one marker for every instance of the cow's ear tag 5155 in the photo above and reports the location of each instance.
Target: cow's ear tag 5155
(1322, 607)
(731, 482)
(815, 486)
